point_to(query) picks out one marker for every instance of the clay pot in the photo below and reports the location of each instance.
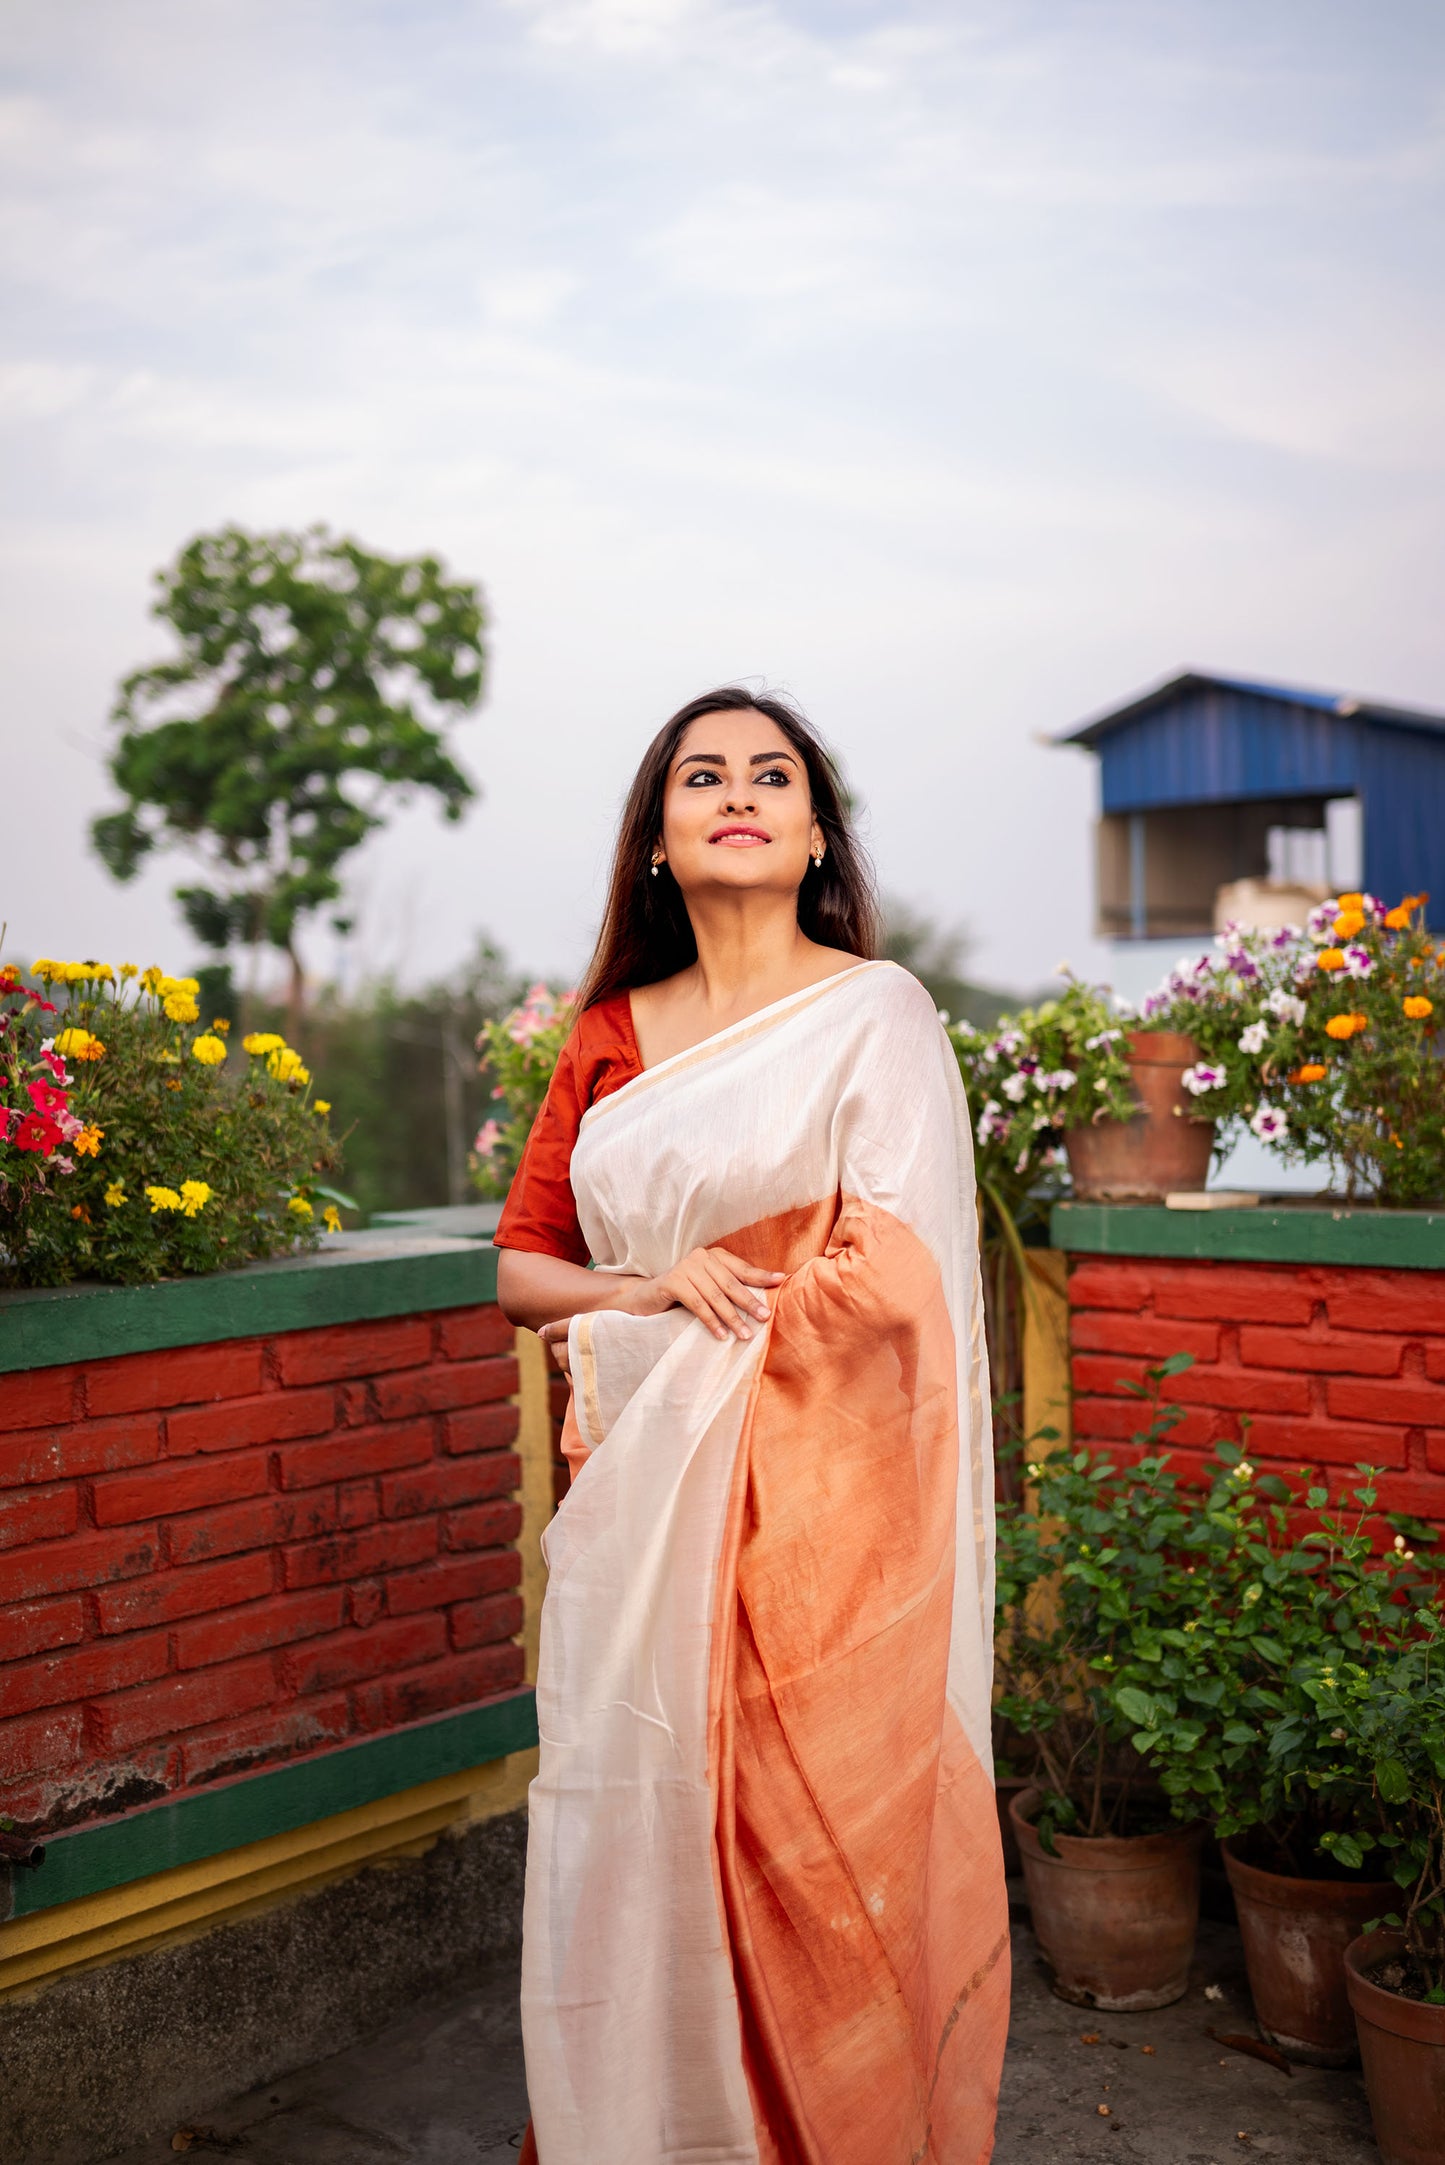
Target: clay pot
(1295, 1933)
(1402, 2043)
(1115, 1915)
(1164, 1148)
(1005, 1790)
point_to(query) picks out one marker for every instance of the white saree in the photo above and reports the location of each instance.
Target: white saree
(765, 1921)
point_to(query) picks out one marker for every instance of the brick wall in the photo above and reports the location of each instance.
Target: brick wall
(223, 1556)
(1333, 1365)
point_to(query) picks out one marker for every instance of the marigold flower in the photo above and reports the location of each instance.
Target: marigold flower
(287, 1066)
(1330, 958)
(128, 970)
(1351, 902)
(1417, 1007)
(77, 1044)
(258, 1041)
(1345, 1026)
(87, 1143)
(195, 1194)
(331, 1218)
(46, 970)
(115, 1194)
(1311, 1071)
(162, 1199)
(321, 1105)
(1348, 923)
(210, 1051)
(152, 979)
(181, 1007)
(78, 1210)
(1398, 920)
(299, 1205)
(221, 1026)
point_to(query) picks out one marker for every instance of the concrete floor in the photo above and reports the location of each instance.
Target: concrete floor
(445, 2086)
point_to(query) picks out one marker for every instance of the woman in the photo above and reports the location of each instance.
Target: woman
(765, 1916)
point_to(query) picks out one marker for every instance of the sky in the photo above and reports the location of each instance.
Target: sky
(957, 368)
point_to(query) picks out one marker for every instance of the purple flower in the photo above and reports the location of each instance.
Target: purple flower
(1269, 1123)
(1202, 1077)
(1358, 962)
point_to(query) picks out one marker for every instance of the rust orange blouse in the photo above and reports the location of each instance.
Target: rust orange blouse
(540, 1213)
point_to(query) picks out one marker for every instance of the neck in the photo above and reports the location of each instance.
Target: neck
(745, 944)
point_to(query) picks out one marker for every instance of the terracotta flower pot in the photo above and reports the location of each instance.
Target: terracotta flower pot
(1295, 1933)
(1165, 1146)
(1402, 2043)
(1115, 1915)
(1006, 1789)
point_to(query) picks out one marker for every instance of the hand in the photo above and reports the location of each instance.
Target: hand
(720, 1289)
(554, 1338)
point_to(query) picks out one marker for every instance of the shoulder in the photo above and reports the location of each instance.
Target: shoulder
(601, 1053)
(887, 990)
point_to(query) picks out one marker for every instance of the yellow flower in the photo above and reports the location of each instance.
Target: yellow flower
(76, 1044)
(162, 1199)
(210, 1051)
(1343, 1026)
(1330, 958)
(221, 1027)
(129, 970)
(115, 1195)
(321, 1105)
(181, 1007)
(259, 1041)
(287, 1066)
(152, 979)
(331, 1218)
(1348, 923)
(192, 985)
(46, 970)
(87, 1142)
(300, 1206)
(195, 1194)
(1417, 1007)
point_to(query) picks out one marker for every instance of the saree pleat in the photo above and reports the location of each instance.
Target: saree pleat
(765, 1920)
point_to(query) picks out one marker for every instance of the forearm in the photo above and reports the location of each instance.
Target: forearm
(536, 1289)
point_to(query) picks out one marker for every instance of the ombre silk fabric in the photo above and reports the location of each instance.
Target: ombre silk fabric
(765, 1915)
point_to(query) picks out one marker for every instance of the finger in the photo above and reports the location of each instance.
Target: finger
(691, 1296)
(736, 1303)
(748, 1271)
(745, 1298)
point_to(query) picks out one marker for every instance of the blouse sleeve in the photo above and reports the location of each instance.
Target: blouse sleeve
(540, 1213)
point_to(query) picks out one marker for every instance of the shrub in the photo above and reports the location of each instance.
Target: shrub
(134, 1144)
(520, 1052)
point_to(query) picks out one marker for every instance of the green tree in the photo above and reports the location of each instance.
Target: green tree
(314, 680)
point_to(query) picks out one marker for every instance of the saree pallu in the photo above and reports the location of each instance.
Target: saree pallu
(765, 1916)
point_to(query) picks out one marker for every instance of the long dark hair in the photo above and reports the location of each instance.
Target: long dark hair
(646, 934)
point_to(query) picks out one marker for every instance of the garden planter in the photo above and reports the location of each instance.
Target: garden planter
(1163, 1148)
(1295, 1933)
(1402, 2043)
(1115, 1915)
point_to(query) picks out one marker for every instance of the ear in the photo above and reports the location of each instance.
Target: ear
(816, 840)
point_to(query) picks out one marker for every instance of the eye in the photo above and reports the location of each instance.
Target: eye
(776, 774)
(703, 774)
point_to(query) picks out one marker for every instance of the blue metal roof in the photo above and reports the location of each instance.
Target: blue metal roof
(1173, 689)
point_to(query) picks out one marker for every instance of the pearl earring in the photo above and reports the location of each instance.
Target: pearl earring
(655, 863)
(818, 859)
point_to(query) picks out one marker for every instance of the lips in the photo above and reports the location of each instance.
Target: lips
(740, 837)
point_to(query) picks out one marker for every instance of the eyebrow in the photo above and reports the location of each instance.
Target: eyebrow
(715, 759)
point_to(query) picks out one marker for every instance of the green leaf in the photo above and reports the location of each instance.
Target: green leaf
(1392, 1779)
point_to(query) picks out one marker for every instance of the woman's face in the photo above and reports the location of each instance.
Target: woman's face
(736, 811)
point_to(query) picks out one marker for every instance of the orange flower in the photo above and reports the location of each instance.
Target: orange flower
(1351, 902)
(1417, 1007)
(1312, 1071)
(1330, 958)
(1349, 922)
(1398, 920)
(1343, 1026)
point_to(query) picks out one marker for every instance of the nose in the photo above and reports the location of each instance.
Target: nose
(740, 799)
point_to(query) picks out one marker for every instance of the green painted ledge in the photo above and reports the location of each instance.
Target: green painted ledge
(455, 1221)
(351, 1278)
(1272, 1233)
(208, 1822)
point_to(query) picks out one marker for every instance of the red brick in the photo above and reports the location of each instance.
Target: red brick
(31, 1397)
(480, 1428)
(353, 1451)
(1249, 1390)
(39, 1625)
(1231, 1293)
(1096, 1284)
(453, 1578)
(394, 1701)
(260, 1624)
(1103, 1331)
(357, 1555)
(365, 1602)
(468, 1333)
(1435, 1361)
(1421, 1494)
(41, 1742)
(434, 1488)
(400, 1643)
(279, 1733)
(121, 1497)
(1111, 1420)
(82, 1673)
(1353, 1353)
(169, 1594)
(435, 1390)
(59, 1567)
(182, 1376)
(87, 1447)
(38, 1514)
(483, 1526)
(183, 1702)
(1408, 1303)
(353, 1349)
(482, 1623)
(1332, 1443)
(357, 1504)
(255, 1525)
(275, 1417)
(1400, 1398)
